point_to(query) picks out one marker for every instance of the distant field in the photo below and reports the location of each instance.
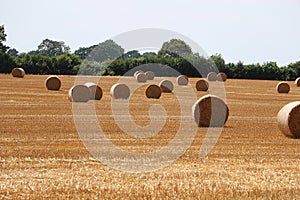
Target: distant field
(41, 155)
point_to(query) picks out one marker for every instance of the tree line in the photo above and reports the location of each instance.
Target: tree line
(109, 58)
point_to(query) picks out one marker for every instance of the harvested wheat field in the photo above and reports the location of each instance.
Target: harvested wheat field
(42, 156)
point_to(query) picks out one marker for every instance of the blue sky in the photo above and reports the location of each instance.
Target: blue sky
(250, 30)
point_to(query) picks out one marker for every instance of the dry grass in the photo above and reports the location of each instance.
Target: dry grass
(41, 155)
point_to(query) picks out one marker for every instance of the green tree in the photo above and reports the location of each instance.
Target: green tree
(132, 54)
(218, 61)
(107, 50)
(39, 64)
(175, 48)
(33, 64)
(66, 63)
(6, 61)
(287, 73)
(33, 52)
(149, 55)
(296, 67)
(3, 48)
(83, 52)
(91, 68)
(13, 52)
(52, 48)
(270, 71)
(197, 66)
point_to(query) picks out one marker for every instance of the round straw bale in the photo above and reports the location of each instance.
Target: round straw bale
(139, 71)
(150, 75)
(153, 91)
(221, 76)
(289, 119)
(210, 111)
(119, 91)
(18, 72)
(79, 93)
(212, 76)
(182, 80)
(95, 91)
(166, 86)
(202, 85)
(283, 87)
(141, 77)
(53, 83)
(297, 82)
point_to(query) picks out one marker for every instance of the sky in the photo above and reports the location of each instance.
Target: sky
(251, 31)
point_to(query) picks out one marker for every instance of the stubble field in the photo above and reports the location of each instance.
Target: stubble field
(42, 156)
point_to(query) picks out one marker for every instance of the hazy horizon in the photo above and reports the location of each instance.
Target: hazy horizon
(250, 31)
